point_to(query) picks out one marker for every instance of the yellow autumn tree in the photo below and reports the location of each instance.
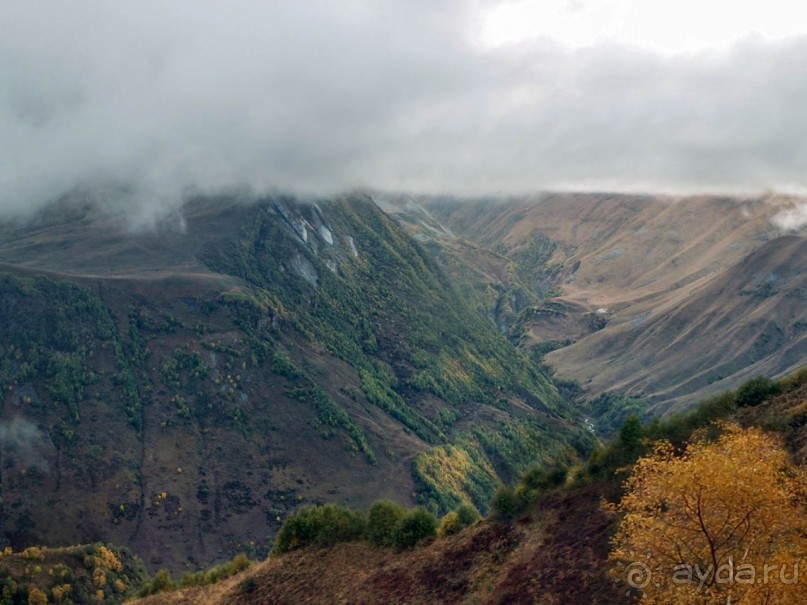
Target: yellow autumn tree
(722, 522)
(36, 596)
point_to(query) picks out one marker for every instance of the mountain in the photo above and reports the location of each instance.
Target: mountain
(202, 379)
(657, 298)
(181, 390)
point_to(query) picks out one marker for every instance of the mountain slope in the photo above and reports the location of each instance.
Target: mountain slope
(554, 552)
(554, 555)
(678, 284)
(749, 320)
(204, 379)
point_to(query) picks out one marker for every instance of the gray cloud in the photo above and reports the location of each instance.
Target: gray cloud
(161, 98)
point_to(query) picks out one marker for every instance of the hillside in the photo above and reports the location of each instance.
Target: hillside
(555, 554)
(751, 319)
(670, 299)
(556, 551)
(203, 379)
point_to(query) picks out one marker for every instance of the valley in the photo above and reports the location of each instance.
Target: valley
(667, 299)
(181, 391)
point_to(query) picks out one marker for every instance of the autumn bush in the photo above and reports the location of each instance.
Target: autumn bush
(449, 524)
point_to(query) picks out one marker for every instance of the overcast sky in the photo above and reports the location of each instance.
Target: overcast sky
(469, 97)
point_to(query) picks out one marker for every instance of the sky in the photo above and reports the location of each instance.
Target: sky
(149, 102)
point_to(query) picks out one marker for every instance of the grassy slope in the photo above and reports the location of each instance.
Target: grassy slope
(750, 319)
(555, 554)
(203, 399)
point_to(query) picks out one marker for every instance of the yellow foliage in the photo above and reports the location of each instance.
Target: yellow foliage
(98, 577)
(449, 467)
(60, 592)
(722, 522)
(108, 559)
(449, 525)
(36, 596)
(33, 553)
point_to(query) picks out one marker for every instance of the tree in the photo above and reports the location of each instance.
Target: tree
(722, 522)
(630, 434)
(36, 596)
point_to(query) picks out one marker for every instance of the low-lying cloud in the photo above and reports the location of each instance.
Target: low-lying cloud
(159, 99)
(25, 444)
(792, 219)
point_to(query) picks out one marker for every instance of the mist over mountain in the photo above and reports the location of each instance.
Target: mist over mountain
(150, 104)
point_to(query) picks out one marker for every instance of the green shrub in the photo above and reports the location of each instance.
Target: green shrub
(413, 527)
(382, 518)
(247, 586)
(161, 582)
(455, 521)
(320, 526)
(794, 380)
(215, 574)
(467, 514)
(539, 478)
(716, 406)
(449, 524)
(505, 504)
(756, 390)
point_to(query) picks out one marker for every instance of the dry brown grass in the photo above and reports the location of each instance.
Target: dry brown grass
(556, 553)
